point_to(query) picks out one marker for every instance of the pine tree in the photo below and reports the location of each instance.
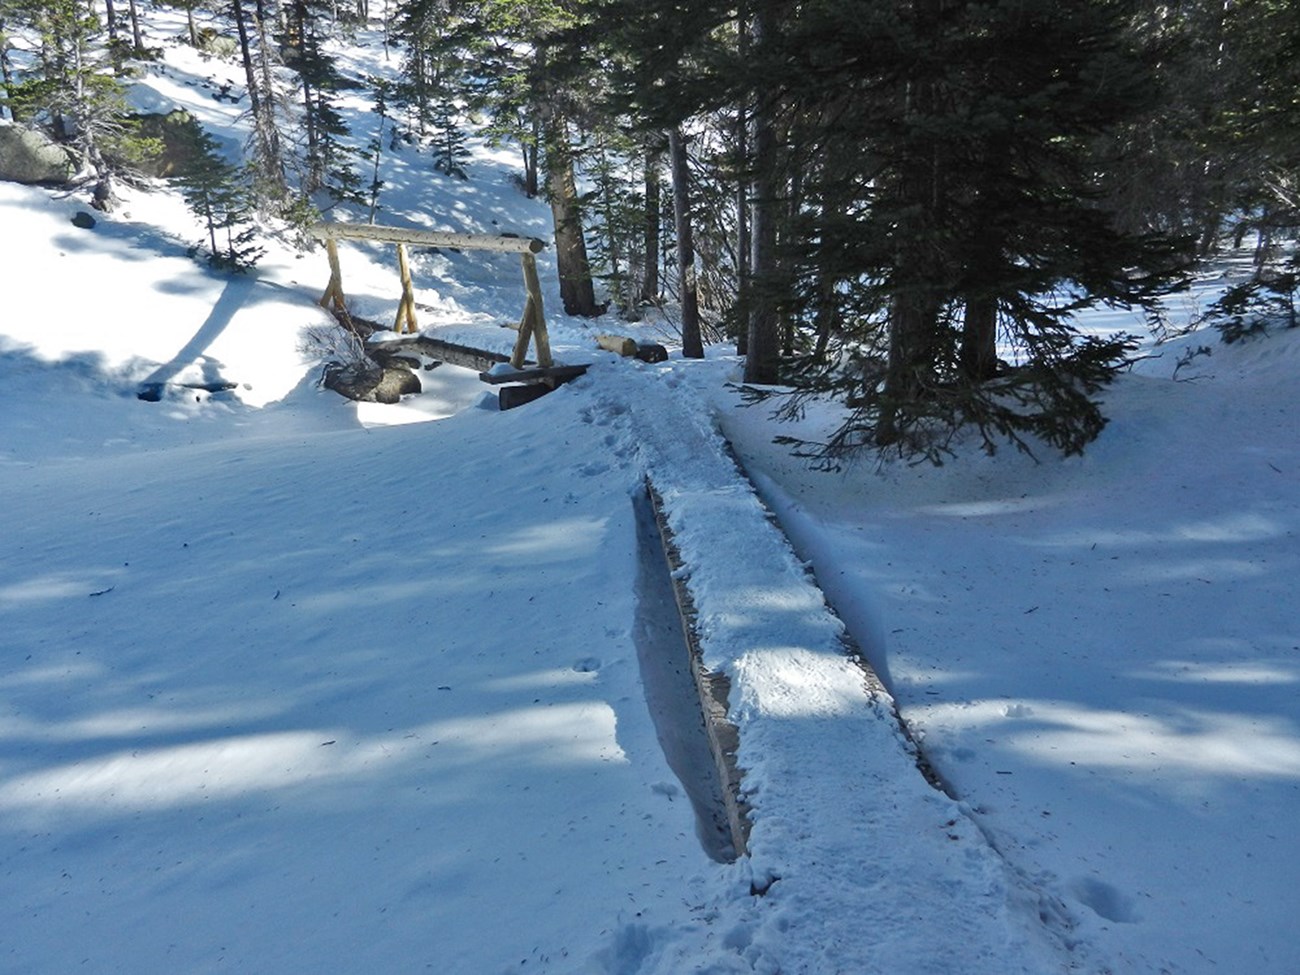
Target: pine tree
(256, 55)
(219, 194)
(982, 212)
(449, 141)
(72, 92)
(374, 151)
(328, 157)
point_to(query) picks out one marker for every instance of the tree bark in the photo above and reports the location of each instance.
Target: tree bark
(650, 236)
(267, 138)
(920, 266)
(692, 343)
(978, 355)
(743, 242)
(246, 57)
(137, 39)
(763, 351)
(577, 293)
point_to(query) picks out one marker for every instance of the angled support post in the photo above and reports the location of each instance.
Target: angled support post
(406, 304)
(533, 324)
(333, 290)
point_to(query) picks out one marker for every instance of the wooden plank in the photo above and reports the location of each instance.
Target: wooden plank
(559, 374)
(431, 238)
(713, 688)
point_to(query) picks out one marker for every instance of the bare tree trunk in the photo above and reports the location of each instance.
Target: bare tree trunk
(650, 238)
(6, 75)
(531, 187)
(918, 269)
(268, 84)
(137, 39)
(692, 343)
(577, 293)
(259, 102)
(246, 56)
(763, 352)
(979, 339)
(744, 244)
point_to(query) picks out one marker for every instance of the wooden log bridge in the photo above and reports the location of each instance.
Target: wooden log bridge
(532, 326)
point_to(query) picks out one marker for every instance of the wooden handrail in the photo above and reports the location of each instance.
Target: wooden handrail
(532, 327)
(431, 238)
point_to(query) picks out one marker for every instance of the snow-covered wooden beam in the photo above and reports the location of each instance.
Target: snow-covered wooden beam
(429, 238)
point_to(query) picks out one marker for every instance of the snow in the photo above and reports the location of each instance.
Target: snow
(293, 684)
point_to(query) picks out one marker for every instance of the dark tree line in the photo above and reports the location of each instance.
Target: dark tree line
(925, 193)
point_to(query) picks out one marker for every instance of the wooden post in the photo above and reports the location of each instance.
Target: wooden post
(520, 352)
(406, 305)
(333, 290)
(533, 324)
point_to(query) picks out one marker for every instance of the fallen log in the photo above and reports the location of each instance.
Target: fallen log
(618, 344)
(480, 360)
(508, 397)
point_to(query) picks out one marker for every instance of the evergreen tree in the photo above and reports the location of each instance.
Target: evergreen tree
(374, 150)
(616, 237)
(982, 210)
(72, 93)
(328, 157)
(256, 55)
(924, 193)
(531, 97)
(218, 193)
(449, 143)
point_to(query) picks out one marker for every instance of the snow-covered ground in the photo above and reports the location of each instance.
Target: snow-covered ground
(293, 684)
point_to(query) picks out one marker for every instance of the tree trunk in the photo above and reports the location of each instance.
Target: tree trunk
(650, 238)
(790, 210)
(577, 293)
(531, 188)
(692, 343)
(763, 352)
(824, 320)
(268, 85)
(919, 262)
(137, 39)
(250, 71)
(7, 76)
(743, 242)
(979, 339)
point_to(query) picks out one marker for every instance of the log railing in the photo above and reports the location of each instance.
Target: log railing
(532, 326)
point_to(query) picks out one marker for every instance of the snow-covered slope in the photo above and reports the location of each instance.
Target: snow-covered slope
(293, 684)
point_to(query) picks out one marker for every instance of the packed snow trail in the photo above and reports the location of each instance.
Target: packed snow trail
(856, 864)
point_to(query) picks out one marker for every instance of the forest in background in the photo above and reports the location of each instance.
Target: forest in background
(901, 205)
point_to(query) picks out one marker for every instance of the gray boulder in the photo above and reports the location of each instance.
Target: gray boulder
(28, 156)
